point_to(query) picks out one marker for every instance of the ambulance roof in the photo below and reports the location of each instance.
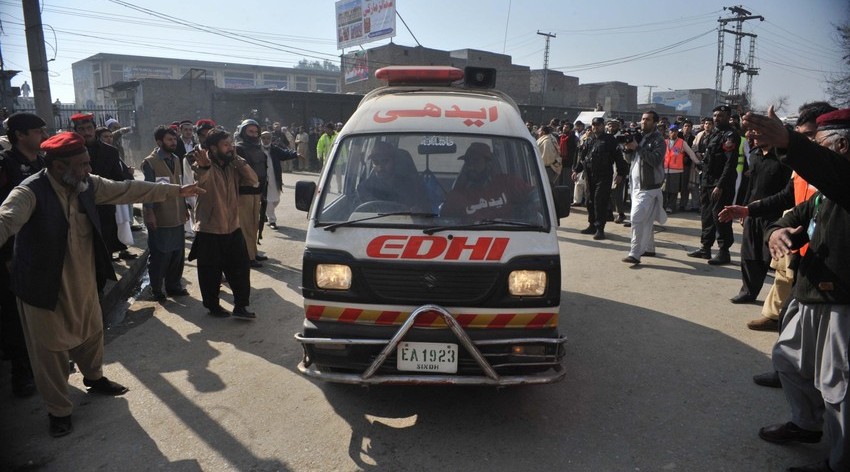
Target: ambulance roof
(437, 109)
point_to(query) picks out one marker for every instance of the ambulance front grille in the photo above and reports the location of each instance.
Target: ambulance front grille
(431, 285)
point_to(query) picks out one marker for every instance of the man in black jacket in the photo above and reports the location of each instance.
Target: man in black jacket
(25, 131)
(811, 354)
(717, 188)
(597, 156)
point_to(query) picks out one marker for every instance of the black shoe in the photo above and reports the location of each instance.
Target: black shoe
(819, 467)
(60, 425)
(703, 253)
(273, 225)
(600, 235)
(627, 224)
(722, 258)
(768, 379)
(620, 218)
(741, 297)
(158, 296)
(105, 386)
(610, 217)
(261, 258)
(136, 228)
(253, 263)
(180, 292)
(589, 230)
(631, 260)
(127, 255)
(789, 432)
(648, 254)
(242, 313)
(218, 312)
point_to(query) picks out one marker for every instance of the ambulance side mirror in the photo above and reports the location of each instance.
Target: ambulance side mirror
(304, 193)
(563, 197)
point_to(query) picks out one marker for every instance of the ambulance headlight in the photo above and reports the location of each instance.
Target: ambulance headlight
(333, 276)
(527, 283)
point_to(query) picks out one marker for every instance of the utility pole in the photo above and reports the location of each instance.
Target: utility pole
(738, 67)
(38, 63)
(649, 92)
(545, 64)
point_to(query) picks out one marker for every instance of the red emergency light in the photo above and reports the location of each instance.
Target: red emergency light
(395, 75)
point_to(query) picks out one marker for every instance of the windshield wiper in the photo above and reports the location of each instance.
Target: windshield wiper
(379, 215)
(477, 224)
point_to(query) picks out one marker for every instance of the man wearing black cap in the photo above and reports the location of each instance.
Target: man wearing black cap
(811, 354)
(717, 188)
(25, 131)
(598, 154)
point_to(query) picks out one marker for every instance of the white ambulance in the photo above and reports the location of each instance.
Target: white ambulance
(431, 253)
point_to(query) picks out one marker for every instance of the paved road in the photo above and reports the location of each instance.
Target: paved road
(659, 366)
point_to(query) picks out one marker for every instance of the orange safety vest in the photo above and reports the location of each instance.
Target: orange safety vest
(803, 191)
(674, 159)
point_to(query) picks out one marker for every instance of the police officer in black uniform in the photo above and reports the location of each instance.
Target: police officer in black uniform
(717, 187)
(25, 131)
(597, 155)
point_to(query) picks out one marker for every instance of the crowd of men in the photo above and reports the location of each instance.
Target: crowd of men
(64, 213)
(788, 189)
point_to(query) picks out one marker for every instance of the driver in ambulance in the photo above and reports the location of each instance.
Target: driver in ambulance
(393, 179)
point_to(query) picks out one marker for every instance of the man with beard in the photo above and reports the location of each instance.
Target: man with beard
(58, 250)
(219, 244)
(105, 163)
(717, 188)
(598, 154)
(165, 220)
(251, 196)
(646, 177)
(26, 131)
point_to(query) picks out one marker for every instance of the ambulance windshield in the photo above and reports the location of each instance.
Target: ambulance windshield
(425, 180)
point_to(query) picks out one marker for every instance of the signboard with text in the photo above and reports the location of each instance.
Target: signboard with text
(355, 66)
(363, 21)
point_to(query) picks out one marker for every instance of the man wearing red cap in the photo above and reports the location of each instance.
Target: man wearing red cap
(25, 131)
(106, 163)
(811, 354)
(58, 250)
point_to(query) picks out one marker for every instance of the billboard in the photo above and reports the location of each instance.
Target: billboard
(355, 66)
(681, 100)
(363, 21)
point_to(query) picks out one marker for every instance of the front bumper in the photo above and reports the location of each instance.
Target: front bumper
(487, 360)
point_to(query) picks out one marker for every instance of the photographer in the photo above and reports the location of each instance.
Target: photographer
(647, 176)
(618, 191)
(598, 154)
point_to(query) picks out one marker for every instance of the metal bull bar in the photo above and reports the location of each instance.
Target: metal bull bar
(490, 378)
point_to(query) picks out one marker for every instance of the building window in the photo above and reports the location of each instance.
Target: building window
(326, 85)
(239, 80)
(302, 84)
(276, 81)
(116, 73)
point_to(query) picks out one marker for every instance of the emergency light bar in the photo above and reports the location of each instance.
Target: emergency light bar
(395, 75)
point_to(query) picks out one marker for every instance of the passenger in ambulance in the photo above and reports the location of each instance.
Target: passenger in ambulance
(482, 191)
(393, 178)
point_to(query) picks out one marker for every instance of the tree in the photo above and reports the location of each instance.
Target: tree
(838, 87)
(316, 65)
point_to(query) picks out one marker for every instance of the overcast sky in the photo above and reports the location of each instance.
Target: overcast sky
(672, 45)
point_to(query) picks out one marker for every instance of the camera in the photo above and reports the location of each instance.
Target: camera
(627, 135)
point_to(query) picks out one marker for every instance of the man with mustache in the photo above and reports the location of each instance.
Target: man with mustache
(59, 249)
(165, 220)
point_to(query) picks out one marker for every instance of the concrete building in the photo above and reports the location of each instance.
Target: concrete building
(610, 96)
(561, 90)
(695, 102)
(102, 70)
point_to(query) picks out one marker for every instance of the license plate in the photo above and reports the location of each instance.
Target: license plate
(427, 357)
